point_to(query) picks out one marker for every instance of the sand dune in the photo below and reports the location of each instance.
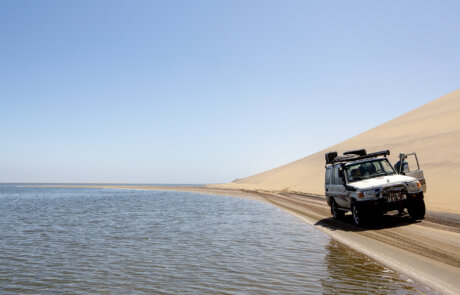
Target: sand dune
(432, 130)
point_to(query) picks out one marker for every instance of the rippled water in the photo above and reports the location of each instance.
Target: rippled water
(80, 241)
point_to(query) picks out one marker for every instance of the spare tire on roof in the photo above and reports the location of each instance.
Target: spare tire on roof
(330, 157)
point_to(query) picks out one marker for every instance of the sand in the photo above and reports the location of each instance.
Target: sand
(432, 131)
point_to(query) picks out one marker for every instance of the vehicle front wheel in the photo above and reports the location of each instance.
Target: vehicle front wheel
(417, 209)
(358, 216)
(336, 212)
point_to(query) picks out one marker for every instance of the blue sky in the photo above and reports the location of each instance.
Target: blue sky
(207, 91)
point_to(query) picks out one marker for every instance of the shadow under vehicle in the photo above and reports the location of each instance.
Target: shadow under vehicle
(367, 185)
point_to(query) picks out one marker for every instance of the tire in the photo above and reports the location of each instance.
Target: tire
(417, 210)
(336, 213)
(358, 216)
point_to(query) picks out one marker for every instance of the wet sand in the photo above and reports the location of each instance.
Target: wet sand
(427, 251)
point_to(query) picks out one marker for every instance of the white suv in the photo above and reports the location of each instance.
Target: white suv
(367, 184)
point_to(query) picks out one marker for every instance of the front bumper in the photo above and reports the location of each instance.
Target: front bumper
(381, 205)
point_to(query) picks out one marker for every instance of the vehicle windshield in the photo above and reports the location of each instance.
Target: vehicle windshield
(366, 170)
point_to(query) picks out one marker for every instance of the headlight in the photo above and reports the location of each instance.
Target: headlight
(369, 194)
(414, 186)
(366, 194)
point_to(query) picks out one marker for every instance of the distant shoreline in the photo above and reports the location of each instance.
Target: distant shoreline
(427, 252)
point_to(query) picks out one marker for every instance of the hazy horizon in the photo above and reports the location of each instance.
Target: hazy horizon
(206, 91)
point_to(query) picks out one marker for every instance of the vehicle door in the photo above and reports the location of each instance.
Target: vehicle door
(338, 187)
(411, 167)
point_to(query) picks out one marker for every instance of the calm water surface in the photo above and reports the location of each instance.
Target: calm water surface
(81, 241)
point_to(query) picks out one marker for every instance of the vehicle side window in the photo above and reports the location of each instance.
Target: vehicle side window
(339, 176)
(328, 175)
(335, 176)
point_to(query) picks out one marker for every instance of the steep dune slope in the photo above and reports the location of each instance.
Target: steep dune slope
(432, 130)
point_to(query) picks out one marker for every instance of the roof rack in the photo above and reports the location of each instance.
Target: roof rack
(361, 152)
(351, 156)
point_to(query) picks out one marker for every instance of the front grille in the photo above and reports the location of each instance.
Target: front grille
(394, 189)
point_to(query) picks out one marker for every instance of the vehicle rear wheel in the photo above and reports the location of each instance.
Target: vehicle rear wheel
(336, 212)
(358, 216)
(417, 209)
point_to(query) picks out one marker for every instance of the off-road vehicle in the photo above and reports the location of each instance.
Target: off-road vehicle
(367, 185)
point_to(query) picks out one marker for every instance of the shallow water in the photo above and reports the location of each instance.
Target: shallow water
(80, 241)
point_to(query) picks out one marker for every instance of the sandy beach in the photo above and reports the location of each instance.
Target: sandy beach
(425, 251)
